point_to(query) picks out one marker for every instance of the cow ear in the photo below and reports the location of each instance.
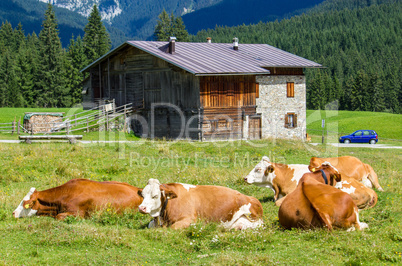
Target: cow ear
(140, 192)
(169, 194)
(269, 169)
(28, 204)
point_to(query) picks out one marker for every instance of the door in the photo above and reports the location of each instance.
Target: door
(254, 127)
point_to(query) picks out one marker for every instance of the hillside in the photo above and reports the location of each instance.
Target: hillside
(361, 48)
(237, 12)
(30, 13)
(137, 19)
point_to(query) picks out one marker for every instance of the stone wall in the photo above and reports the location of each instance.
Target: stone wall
(273, 105)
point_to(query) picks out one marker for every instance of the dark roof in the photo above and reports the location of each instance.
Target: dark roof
(220, 58)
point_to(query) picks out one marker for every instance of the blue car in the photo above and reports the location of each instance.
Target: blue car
(360, 136)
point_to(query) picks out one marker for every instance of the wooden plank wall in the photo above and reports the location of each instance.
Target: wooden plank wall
(225, 101)
(227, 91)
(133, 76)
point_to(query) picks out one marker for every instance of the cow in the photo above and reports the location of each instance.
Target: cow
(316, 203)
(281, 178)
(352, 167)
(78, 197)
(177, 206)
(364, 197)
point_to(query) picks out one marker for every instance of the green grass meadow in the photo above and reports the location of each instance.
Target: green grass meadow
(337, 123)
(108, 238)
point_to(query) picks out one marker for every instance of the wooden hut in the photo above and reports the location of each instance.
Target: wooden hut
(204, 90)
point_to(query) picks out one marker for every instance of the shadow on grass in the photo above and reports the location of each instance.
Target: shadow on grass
(267, 199)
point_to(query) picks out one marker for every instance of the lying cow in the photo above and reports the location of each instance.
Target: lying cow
(178, 205)
(364, 197)
(281, 178)
(78, 197)
(314, 203)
(352, 167)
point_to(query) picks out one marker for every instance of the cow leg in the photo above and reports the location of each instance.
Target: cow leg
(279, 201)
(63, 215)
(326, 219)
(183, 223)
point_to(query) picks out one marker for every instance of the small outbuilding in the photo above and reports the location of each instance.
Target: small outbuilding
(205, 90)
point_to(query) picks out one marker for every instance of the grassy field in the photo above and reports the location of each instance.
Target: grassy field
(107, 238)
(388, 126)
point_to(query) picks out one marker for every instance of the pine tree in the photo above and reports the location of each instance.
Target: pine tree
(78, 60)
(51, 55)
(163, 29)
(168, 26)
(6, 36)
(19, 37)
(378, 97)
(179, 30)
(357, 91)
(96, 39)
(34, 62)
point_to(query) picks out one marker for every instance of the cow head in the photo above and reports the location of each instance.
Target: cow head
(332, 171)
(154, 195)
(28, 206)
(262, 173)
(314, 164)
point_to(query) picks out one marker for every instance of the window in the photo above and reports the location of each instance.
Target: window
(290, 120)
(290, 89)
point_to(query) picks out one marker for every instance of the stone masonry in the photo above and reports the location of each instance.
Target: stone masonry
(273, 105)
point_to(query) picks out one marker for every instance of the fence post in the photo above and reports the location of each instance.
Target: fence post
(107, 121)
(87, 125)
(13, 129)
(68, 128)
(18, 127)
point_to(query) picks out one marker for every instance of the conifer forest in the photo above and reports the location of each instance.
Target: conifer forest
(360, 49)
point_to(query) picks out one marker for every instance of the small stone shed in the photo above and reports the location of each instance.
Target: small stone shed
(42, 122)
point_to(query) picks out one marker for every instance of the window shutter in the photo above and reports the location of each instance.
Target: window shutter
(290, 89)
(257, 90)
(286, 121)
(295, 120)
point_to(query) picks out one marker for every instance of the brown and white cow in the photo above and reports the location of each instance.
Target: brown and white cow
(78, 197)
(315, 203)
(364, 197)
(352, 167)
(281, 178)
(178, 205)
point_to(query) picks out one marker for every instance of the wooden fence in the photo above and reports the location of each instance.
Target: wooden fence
(104, 117)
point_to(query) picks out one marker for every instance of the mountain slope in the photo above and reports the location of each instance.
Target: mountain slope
(31, 15)
(237, 12)
(361, 48)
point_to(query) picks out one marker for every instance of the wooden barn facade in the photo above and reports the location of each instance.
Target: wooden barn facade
(202, 91)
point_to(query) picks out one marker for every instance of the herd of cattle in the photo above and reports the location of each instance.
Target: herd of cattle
(327, 193)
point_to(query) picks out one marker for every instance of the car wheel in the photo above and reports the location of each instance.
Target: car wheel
(372, 141)
(347, 141)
